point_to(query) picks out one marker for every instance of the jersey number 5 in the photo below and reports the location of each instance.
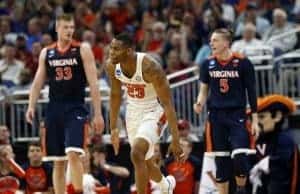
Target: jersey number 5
(224, 87)
(63, 73)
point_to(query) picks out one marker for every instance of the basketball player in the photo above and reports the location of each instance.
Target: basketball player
(227, 79)
(146, 83)
(67, 65)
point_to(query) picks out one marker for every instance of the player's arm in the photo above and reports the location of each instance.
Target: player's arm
(250, 84)
(153, 73)
(115, 103)
(203, 89)
(37, 85)
(115, 95)
(202, 96)
(91, 75)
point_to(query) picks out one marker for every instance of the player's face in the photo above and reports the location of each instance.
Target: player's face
(117, 52)
(268, 122)
(218, 44)
(65, 29)
(35, 154)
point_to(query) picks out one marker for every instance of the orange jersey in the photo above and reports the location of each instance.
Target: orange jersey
(186, 174)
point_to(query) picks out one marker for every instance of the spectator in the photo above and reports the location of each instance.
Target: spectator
(22, 53)
(225, 10)
(154, 38)
(36, 49)
(4, 135)
(174, 64)
(248, 43)
(37, 174)
(184, 129)
(46, 40)
(10, 67)
(34, 32)
(108, 174)
(280, 25)
(187, 174)
(9, 175)
(6, 35)
(250, 15)
(277, 158)
(90, 37)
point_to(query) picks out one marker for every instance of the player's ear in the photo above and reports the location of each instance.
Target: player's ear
(129, 50)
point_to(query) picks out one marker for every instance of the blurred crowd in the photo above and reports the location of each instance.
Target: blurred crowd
(175, 32)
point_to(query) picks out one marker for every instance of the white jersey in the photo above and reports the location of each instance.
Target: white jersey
(138, 91)
(143, 111)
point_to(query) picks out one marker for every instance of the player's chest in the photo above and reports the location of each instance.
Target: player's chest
(230, 70)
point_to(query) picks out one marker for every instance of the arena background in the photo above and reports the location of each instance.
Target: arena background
(174, 32)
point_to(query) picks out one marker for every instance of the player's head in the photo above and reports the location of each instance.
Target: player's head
(272, 110)
(220, 40)
(120, 48)
(34, 153)
(65, 27)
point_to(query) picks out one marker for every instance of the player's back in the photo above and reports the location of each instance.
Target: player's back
(66, 74)
(138, 91)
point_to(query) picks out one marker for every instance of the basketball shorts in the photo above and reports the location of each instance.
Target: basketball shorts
(66, 129)
(145, 122)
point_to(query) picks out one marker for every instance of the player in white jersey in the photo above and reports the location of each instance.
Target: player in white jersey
(146, 82)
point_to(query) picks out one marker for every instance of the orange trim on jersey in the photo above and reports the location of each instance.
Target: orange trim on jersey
(51, 46)
(85, 135)
(251, 137)
(295, 172)
(225, 62)
(43, 140)
(75, 43)
(208, 137)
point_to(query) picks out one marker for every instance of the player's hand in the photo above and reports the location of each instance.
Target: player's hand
(177, 151)
(198, 107)
(30, 115)
(98, 124)
(255, 129)
(115, 140)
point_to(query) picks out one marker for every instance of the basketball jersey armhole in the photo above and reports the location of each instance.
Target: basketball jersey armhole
(139, 65)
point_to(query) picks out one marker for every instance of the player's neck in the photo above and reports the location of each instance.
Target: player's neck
(129, 64)
(225, 55)
(62, 44)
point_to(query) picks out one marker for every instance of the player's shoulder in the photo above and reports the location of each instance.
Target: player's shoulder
(150, 63)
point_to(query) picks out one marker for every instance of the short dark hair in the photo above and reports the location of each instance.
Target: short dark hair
(99, 149)
(226, 33)
(126, 39)
(34, 143)
(65, 17)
